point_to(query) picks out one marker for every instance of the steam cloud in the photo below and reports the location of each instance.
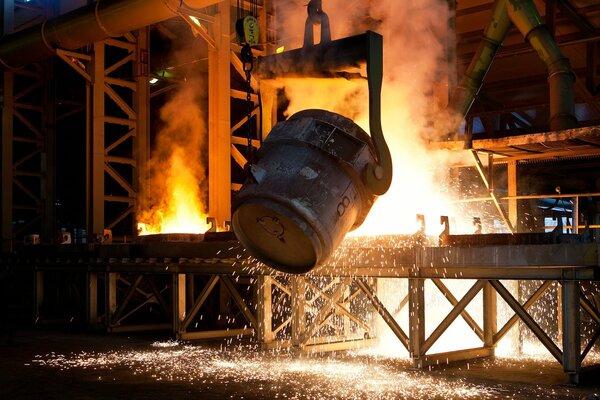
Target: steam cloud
(416, 66)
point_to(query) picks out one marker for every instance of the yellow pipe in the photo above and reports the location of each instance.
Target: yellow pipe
(87, 25)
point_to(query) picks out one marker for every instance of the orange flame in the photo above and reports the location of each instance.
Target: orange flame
(181, 210)
(174, 197)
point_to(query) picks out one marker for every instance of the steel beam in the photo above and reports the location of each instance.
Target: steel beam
(515, 318)
(416, 319)
(128, 296)
(456, 355)
(219, 118)
(528, 320)
(571, 330)
(95, 217)
(264, 309)
(110, 299)
(513, 211)
(191, 314)
(7, 161)
(452, 300)
(490, 316)
(298, 309)
(178, 302)
(216, 334)
(327, 310)
(486, 181)
(383, 312)
(456, 311)
(226, 280)
(92, 299)
(141, 103)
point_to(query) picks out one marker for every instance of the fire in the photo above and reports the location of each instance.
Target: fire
(173, 197)
(181, 210)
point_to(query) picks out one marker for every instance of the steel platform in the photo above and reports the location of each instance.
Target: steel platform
(319, 309)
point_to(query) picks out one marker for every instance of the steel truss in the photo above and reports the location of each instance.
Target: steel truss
(119, 137)
(216, 292)
(228, 130)
(27, 139)
(27, 197)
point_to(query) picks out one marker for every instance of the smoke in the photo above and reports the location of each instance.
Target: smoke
(173, 197)
(414, 96)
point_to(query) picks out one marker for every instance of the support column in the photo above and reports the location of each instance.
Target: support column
(92, 299)
(512, 191)
(219, 119)
(571, 330)
(178, 302)
(48, 159)
(489, 316)
(110, 301)
(298, 303)
(96, 187)
(38, 294)
(575, 215)
(265, 321)
(8, 9)
(416, 311)
(141, 143)
(416, 319)
(7, 162)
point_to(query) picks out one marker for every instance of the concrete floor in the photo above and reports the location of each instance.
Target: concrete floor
(44, 364)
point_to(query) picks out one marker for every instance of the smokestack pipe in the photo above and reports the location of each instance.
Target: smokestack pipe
(86, 25)
(560, 76)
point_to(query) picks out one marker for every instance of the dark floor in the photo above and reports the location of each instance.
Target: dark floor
(44, 364)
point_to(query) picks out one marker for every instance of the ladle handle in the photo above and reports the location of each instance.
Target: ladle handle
(377, 177)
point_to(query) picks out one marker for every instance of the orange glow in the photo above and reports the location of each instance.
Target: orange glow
(417, 186)
(413, 98)
(181, 210)
(174, 195)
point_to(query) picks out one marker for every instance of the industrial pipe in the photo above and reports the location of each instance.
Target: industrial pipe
(463, 97)
(560, 75)
(526, 18)
(86, 25)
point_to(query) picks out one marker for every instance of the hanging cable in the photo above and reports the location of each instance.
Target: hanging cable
(247, 30)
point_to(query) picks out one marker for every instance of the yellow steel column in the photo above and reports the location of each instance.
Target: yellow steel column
(178, 301)
(219, 120)
(141, 152)
(298, 323)
(264, 300)
(512, 191)
(96, 187)
(490, 315)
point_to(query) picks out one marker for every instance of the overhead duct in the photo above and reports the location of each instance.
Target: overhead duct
(526, 18)
(560, 76)
(86, 25)
(471, 81)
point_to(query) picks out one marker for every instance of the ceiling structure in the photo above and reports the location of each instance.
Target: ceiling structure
(511, 110)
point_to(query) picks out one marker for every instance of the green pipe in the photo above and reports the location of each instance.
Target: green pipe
(464, 95)
(86, 25)
(561, 79)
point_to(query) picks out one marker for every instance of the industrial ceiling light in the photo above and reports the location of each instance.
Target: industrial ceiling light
(153, 81)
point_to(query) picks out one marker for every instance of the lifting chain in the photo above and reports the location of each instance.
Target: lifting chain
(247, 29)
(248, 63)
